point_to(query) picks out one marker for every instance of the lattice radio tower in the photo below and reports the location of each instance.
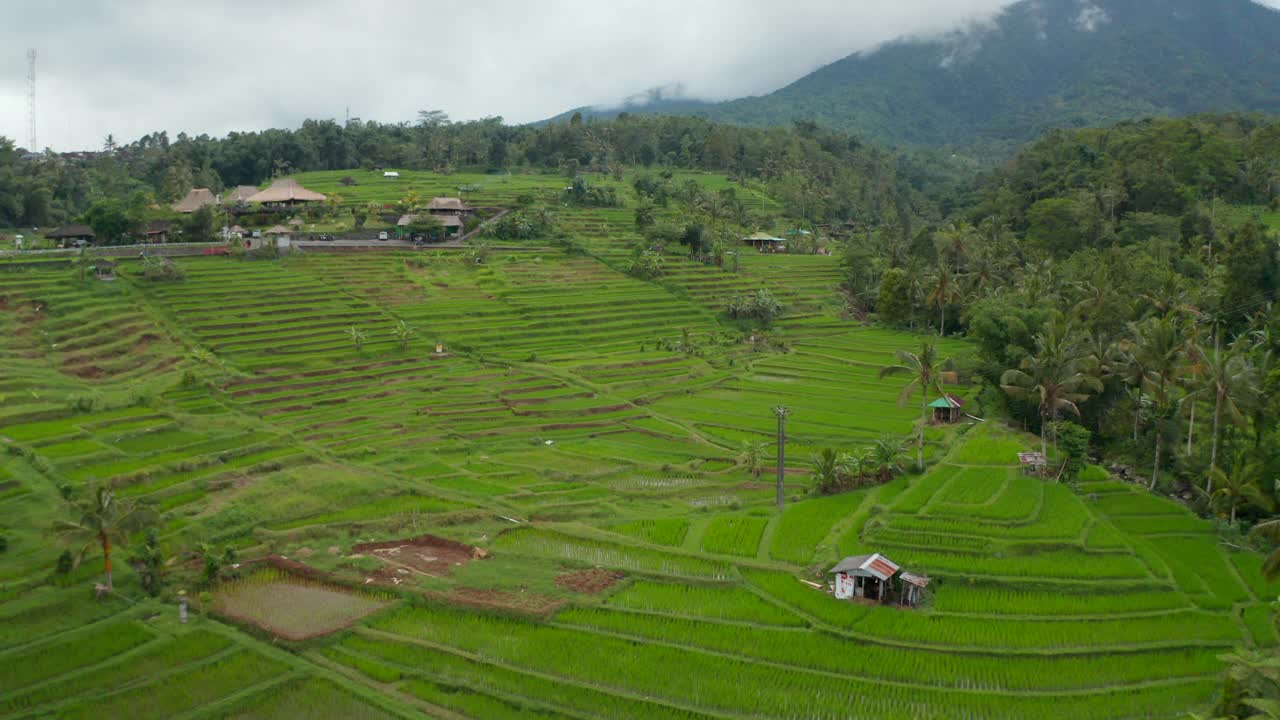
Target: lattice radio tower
(32, 145)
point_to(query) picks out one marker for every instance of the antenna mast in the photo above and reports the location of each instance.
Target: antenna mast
(32, 145)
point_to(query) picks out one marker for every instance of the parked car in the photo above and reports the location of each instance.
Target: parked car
(382, 235)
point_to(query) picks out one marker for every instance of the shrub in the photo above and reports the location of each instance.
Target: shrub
(760, 305)
(161, 269)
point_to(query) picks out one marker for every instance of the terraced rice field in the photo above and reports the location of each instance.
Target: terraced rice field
(604, 552)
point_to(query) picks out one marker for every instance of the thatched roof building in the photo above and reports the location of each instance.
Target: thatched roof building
(241, 193)
(278, 230)
(287, 191)
(447, 205)
(72, 232)
(196, 199)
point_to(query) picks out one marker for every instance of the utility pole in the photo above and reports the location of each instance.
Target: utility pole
(783, 413)
(32, 143)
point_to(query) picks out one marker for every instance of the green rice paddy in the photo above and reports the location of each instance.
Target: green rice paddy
(634, 569)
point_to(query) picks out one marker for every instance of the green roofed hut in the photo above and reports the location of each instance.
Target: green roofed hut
(946, 409)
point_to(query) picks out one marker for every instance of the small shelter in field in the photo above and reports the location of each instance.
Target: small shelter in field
(864, 576)
(73, 234)
(196, 199)
(946, 409)
(1033, 463)
(286, 192)
(766, 243)
(240, 194)
(448, 206)
(278, 231)
(297, 222)
(104, 269)
(158, 231)
(391, 174)
(913, 587)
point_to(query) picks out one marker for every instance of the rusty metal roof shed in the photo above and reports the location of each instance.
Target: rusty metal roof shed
(874, 565)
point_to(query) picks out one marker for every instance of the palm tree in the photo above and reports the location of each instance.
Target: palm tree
(751, 457)
(927, 372)
(943, 290)
(885, 457)
(1156, 351)
(826, 471)
(1238, 487)
(1229, 379)
(103, 520)
(1055, 378)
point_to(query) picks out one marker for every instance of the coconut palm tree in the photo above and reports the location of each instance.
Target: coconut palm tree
(926, 372)
(1055, 378)
(1155, 349)
(1238, 487)
(103, 520)
(943, 289)
(1230, 380)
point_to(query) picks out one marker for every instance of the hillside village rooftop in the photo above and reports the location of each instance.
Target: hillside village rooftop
(286, 191)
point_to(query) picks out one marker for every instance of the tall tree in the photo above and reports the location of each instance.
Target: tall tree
(103, 520)
(1055, 378)
(927, 372)
(1156, 351)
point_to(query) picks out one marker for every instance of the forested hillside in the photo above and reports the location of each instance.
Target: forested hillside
(1041, 64)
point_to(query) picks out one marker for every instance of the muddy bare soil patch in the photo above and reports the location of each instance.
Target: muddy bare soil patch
(519, 601)
(425, 555)
(589, 582)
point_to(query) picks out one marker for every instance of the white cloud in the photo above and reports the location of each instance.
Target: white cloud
(129, 67)
(1091, 17)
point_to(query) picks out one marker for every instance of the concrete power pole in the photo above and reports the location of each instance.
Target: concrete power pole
(783, 413)
(32, 142)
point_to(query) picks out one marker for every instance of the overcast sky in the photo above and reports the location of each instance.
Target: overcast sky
(129, 67)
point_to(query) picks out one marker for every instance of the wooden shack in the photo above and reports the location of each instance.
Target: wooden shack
(864, 576)
(913, 587)
(1033, 463)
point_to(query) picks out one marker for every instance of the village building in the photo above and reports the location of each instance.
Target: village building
(286, 192)
(864, 576)
(240, 194)
(196, 199)
(158, 231)
(946, 409)
(451, 225)
(765, 243)
(73, 235)
(449, 206)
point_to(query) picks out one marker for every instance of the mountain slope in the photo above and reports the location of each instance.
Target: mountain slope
(1040, 64)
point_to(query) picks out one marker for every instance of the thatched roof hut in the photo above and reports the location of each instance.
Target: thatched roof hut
(297, 222)
(278, 230)
(286, 190)
(196, 199)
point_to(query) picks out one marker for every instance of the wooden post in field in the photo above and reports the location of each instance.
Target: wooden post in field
(782, 412)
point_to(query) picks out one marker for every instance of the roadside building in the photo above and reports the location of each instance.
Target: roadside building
(73, 235)
(449, 206)
(286, 192)
(196, 199)
(158, 231)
